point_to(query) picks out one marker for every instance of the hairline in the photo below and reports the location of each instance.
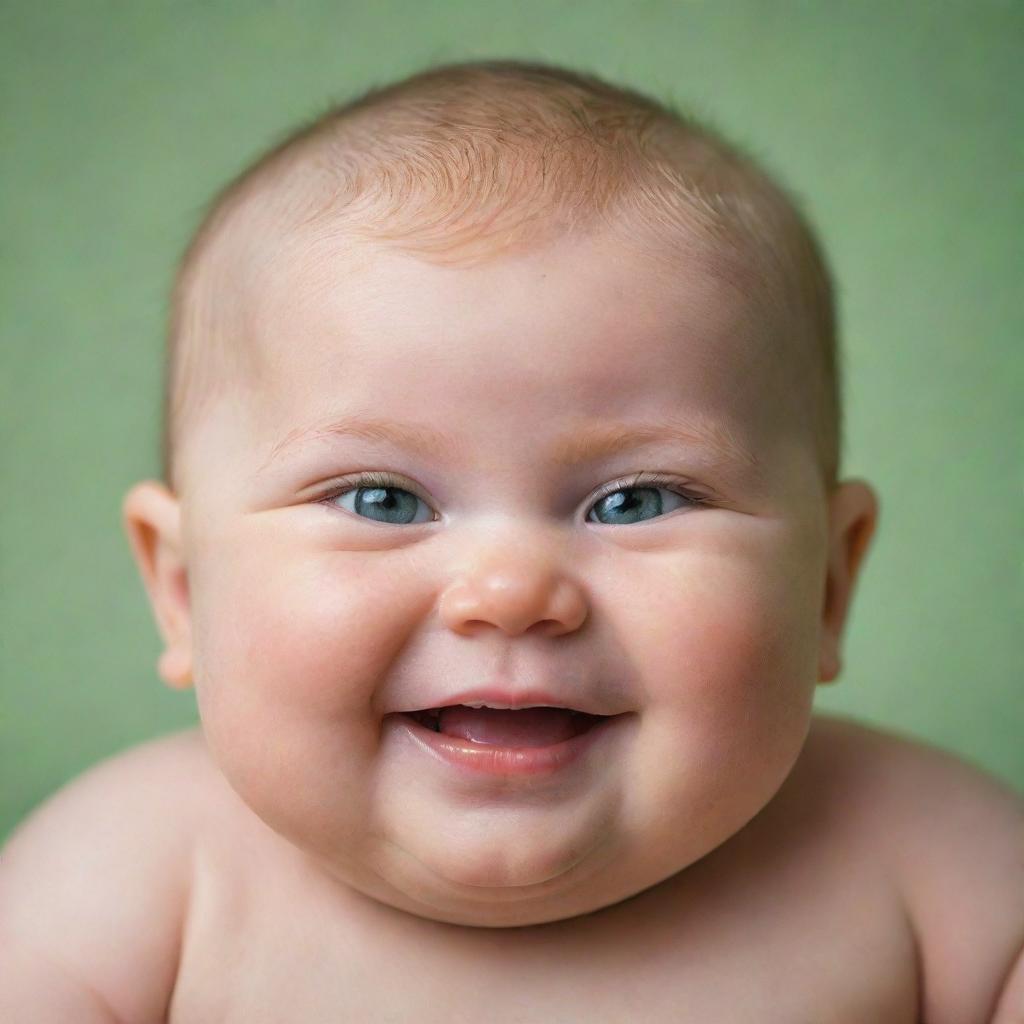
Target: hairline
(283, 200)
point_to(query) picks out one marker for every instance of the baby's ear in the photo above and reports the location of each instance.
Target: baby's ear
(152, 520)
(853, 517)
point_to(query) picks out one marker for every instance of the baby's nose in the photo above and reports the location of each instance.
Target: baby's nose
(514, 593)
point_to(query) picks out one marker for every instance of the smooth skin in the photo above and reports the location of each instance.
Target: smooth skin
(708, 625)
(721, 835)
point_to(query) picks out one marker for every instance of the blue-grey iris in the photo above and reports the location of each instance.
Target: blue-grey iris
(386, 504)
(623, 510)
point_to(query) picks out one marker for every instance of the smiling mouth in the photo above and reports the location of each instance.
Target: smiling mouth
(504, 727)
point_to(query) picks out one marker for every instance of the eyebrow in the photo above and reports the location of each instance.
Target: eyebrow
(589, 441)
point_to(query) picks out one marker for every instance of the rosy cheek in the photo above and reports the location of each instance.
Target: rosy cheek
(304, 631)
(725, 637)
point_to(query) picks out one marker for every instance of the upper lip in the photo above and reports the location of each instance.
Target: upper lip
(514, 697)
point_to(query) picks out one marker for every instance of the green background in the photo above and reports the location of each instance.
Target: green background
(898, 126)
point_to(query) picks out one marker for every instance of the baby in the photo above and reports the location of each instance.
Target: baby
(504, 544)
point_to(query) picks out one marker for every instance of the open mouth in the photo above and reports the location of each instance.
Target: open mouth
(505, 727)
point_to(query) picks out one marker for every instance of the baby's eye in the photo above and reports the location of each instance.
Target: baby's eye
(620, 504)
(378, 496)
(382, 501)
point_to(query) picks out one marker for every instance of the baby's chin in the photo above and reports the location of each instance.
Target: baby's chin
(541, 884)
(496, 870)
(492, 869)
(415, 890)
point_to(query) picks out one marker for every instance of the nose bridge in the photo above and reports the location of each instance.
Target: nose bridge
(514, 579)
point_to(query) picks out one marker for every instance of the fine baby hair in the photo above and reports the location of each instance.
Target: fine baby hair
(461, 162)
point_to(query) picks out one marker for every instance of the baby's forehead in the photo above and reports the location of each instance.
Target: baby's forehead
(587, 292)
(572, 314)
(573, 288)
(287, 267)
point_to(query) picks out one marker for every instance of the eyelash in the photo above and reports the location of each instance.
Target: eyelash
(642, 479)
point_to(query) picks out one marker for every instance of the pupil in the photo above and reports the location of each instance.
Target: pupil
(375, 503)
(623, 510)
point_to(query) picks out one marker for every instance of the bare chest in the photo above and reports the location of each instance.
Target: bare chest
(803, 943)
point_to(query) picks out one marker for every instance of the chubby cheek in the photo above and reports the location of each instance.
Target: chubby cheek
(725, 649)
(290, 644)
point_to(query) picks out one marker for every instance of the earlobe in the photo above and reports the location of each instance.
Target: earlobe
(152, 521)
(853, 519)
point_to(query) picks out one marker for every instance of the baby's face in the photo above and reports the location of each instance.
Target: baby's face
(686, 608)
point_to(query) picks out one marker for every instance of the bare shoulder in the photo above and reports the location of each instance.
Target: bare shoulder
(149, 785)
(95, 880)
(954, 836)
(918, 790)
(911, 765)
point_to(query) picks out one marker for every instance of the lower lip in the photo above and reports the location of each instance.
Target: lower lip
(489, 759)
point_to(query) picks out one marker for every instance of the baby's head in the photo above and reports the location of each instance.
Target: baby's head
(502, 385)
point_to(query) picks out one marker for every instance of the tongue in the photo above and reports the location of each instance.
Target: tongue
(527, 727)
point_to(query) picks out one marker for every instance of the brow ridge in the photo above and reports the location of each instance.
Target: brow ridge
(590, 440)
